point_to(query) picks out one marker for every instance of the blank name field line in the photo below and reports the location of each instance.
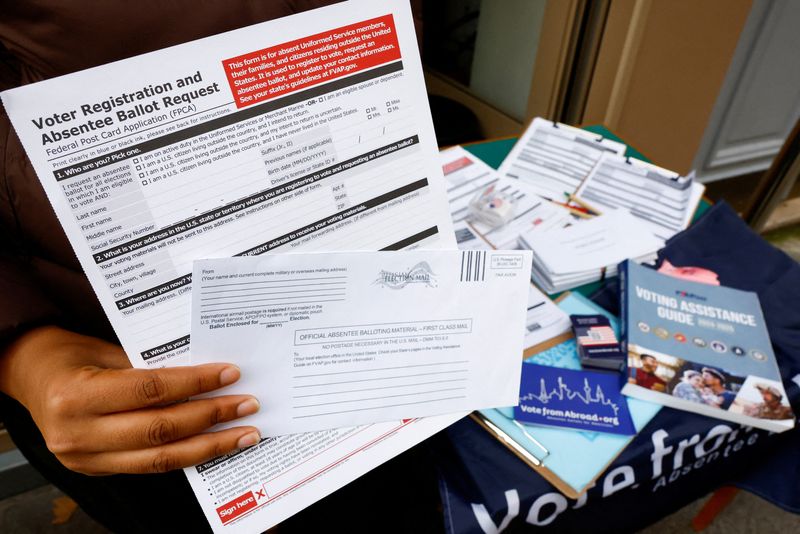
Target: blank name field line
(382, 369)
(378, 398)
(381, 388)
(237, 296)
(274, 287)
(263, 305)
(378, 407)
(276, 298)
(282, 287)
(277, 281)
(384, 378)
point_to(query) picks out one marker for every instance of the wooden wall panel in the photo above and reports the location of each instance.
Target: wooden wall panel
(659, 71)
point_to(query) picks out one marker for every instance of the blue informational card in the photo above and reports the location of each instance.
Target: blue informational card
(583, 400)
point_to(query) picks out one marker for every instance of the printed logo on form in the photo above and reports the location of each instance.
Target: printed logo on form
(421, 273)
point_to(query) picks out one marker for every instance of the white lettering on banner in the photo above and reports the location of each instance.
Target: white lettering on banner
(682, 446)
(610, 487)
(659, 450)
(706, 450)
(556, 499)
(582, 498)
(717, 432)
(485, 520)
(718, 443)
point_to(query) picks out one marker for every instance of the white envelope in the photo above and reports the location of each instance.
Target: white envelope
(593, 244)
(344, 339)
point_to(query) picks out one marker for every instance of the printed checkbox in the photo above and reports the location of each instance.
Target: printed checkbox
(138, 167)
(141, 175)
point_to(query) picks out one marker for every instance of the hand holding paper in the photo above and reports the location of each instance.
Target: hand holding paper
(343, 339)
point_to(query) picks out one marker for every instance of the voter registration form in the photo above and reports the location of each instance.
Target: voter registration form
(310, 132)
(554, 158)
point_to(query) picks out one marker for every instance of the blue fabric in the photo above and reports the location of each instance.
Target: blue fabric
(679, 456)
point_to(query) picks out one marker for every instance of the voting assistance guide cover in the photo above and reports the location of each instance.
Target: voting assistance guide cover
(700, 348)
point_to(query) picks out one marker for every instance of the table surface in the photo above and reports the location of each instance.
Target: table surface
(482, 483)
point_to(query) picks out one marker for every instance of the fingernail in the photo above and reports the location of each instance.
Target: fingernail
(248, 407)
(248, 440)
(229, 375)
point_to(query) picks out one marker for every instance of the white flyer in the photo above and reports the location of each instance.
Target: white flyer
(596, 243)
(662, 200)
(554, 158)
(467, 238)
(310, 132)
(342, 339)
(466, 176)
(257, 488)
(544, 320)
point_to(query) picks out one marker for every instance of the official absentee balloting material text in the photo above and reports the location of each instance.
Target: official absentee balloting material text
(341, 339)
(310, 132)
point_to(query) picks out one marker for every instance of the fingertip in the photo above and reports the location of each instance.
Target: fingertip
(248, 407)
(249, 439)
(229, 375)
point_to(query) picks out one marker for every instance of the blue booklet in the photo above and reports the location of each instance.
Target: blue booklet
(701, 348)
(583, 400)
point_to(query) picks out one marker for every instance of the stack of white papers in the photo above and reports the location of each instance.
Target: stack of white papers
(660, 199)
(532, 212)
(588, 251)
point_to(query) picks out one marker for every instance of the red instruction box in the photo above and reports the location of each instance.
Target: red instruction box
(294, 65)
(233, 509)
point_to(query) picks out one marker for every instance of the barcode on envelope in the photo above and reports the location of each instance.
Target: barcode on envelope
(473, 266)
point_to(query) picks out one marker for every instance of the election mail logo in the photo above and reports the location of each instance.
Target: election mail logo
(421, 273)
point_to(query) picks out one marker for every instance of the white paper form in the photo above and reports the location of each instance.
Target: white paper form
(531, 212)
(309, 132)
(466, 176)
(257, 488)
(544, 320)
(342, 339)
(554, 158)
(467, 238)
(589, 250)
(661, 199)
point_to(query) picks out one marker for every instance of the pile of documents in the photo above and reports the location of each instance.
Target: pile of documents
(588, 251)
(581, 206)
